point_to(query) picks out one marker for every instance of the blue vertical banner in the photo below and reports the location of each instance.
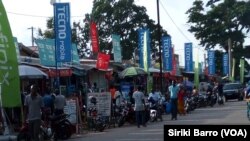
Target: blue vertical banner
(167, 53)
(62, 32)
(211, 62)
(189, 57)
(225, 64)
(144, 49)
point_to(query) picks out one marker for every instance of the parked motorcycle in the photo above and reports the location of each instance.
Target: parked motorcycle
(212, 98)
(127, 114)
(155, 111)
(61, 127)
(54, 127)
(97, 122)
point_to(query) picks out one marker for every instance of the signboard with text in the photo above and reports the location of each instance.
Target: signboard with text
(103, 104)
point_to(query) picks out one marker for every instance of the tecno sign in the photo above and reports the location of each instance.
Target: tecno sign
(63, 32)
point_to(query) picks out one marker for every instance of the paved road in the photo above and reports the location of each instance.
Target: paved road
(233, 112)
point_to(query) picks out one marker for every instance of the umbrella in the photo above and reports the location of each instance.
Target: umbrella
(30, 72)
(132, 71)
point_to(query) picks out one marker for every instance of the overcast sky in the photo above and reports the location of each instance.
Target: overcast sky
(23, 14)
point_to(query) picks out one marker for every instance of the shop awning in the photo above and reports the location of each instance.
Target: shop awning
(60, 71)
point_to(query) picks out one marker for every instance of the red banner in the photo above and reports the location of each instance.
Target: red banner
(94, 37)
(173, 72)
(61, 72)
(102, 61)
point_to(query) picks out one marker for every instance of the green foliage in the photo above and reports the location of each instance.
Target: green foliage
(218, 21)
(120, 17)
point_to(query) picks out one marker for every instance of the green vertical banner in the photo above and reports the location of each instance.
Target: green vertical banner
(9, 76)
(242, 69)
(196, 72)
(116, 48)
(149, 83)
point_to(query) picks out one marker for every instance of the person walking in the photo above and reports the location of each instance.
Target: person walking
(173, 89)
(60, 102)
(181, 101)
(33, 105)
(139, 107)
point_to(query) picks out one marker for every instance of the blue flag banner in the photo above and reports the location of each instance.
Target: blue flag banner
(189, 57)
(225, 64)
(62, 32)
(211, 62)
(167, 53)
(144, 49)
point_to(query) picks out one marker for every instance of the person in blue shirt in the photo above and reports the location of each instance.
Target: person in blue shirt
(48, 100)
(173, 90)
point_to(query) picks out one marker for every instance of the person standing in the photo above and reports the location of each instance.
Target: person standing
(48, 101)
(174, 89)
(33, 105)
(181, 101)
(118, 97)
(60, 102)
(139, 107)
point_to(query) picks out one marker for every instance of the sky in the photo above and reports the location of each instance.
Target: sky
(24, 14)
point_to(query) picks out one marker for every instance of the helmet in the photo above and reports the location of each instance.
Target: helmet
(92, 99)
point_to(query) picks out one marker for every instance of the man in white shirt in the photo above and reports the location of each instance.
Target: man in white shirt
(139, 107)
(60, 102)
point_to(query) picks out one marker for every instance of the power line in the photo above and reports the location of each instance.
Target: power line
(174, 22)
(38, 16)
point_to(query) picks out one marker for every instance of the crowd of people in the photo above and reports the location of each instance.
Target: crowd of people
(37, 107)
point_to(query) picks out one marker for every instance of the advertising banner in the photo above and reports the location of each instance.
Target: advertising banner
(211, 62)
(102, 61)
(116, 48)
(225, 64)
(174, 63)
(75, 55)
(188, 57)
(144, 49)
(94, 37)
(62, 32)
(46, 49)
(9, 74)
(103, 103)
(167, 53)
(17, 49)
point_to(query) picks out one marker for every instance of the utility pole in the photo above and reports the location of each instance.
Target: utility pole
(159, 40)
(229, 59)
(32, 35)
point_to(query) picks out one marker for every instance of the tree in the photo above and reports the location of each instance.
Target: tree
(120, 17)
(219, 20)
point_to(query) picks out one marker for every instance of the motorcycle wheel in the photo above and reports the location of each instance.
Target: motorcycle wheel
(64, 131)
(23, 137)
(121, 121)
(100, 127)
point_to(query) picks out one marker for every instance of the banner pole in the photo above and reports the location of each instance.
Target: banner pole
(6, 128)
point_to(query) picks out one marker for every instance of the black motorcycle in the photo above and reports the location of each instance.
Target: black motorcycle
(61, 127)
(127, 114)
(54, 127)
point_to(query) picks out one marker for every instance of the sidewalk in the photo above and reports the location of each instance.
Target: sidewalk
(8, 137)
